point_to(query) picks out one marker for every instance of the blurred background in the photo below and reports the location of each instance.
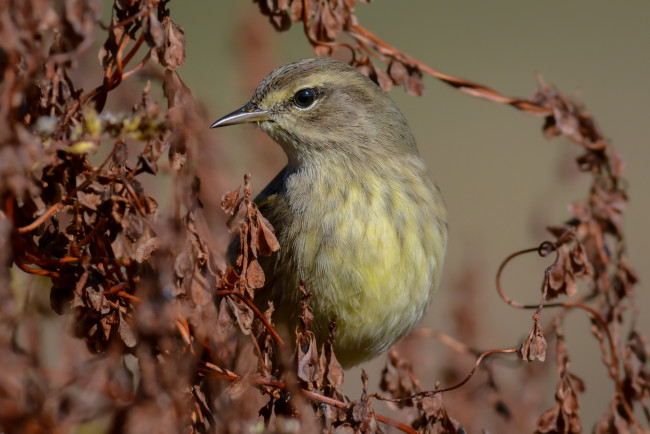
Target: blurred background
(503, 182)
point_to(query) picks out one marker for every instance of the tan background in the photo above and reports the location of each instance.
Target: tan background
(503, 182)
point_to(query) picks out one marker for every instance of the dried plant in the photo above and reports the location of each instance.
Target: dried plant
(163, 320)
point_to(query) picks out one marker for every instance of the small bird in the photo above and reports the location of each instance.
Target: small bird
(357, 215)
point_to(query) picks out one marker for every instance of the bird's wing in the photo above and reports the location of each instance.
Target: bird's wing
(265, 199)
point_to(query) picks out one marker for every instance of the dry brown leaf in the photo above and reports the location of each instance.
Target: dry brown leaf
(255, 275)
(308, 366)
(534, 347)
(170, 54)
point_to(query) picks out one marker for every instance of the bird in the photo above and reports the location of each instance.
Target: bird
(358, 216)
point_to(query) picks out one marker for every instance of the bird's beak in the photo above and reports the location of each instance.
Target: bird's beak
(249, 113)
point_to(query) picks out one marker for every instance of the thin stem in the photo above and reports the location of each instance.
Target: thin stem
(257, 313)
(275, 384)
(39, 221)
(429, 393)
(478, 90)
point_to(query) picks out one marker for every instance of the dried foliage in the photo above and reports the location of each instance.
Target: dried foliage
(163, 321)
(563, 416)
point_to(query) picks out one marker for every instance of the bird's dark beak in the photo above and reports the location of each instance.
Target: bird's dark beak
(249, 113)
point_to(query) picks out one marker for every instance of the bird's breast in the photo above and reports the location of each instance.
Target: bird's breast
(370, 248)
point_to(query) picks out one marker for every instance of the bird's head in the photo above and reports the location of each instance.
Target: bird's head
(322, 106)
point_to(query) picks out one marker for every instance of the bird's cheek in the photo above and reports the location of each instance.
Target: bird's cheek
(272, 127)
(278, 133)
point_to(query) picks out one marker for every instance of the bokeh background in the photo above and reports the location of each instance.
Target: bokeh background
(503, 182)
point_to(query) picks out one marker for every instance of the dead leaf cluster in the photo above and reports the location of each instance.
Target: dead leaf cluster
(325, 21)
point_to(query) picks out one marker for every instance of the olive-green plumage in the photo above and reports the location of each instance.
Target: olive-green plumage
(357, 215)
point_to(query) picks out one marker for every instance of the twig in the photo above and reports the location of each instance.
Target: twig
(256, 311)
(429, 393)
(449, 341)
(475, 89)
(275, 384)
(39, 221)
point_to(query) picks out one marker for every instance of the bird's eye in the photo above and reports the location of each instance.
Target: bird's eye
(304, 97)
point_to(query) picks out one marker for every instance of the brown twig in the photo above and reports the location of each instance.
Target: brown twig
(132, 298)
(475, 89)
(257, 313)
(141, 13)
(275, 384)
(111, 81)
(429, 393)
(543, 250)
(36, 271)
(39, 221)
(116, 288)
(449, 341)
